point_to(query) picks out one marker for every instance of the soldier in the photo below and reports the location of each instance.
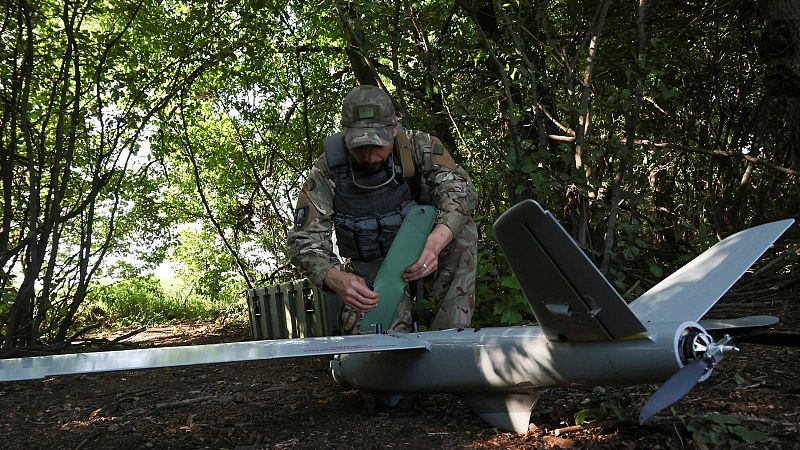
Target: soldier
(369, 176)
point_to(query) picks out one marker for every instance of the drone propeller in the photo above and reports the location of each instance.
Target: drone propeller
(686, 378)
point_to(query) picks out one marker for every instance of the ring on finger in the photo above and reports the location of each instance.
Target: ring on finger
(424, 265)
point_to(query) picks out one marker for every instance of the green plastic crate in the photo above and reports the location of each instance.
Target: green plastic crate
(294, 309)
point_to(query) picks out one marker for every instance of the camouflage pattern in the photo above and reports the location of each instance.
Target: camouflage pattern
(453, 285)
(351, 320)
(367, 117)
(451, 192)
(351, 317)
(310, 243)
(454, 282)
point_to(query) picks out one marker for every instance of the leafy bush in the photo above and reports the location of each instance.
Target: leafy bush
(142, 300)
(498, 296)
(7, 296)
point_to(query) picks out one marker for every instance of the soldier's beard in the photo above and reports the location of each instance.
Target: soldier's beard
(368, 170)
(372, 168)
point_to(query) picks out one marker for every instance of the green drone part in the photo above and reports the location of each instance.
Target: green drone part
(405, 250)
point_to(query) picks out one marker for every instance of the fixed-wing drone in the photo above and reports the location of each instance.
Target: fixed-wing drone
(587, 334)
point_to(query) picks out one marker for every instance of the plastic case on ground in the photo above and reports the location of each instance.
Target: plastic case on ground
(293, 309)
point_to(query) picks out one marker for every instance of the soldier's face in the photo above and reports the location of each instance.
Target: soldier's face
(371, 156)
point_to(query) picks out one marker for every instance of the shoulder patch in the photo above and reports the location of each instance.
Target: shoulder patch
(304, 211)
(300, 217)
(440, 156)
(318, 192)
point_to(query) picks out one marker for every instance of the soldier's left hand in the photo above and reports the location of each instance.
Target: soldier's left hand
(428, 261)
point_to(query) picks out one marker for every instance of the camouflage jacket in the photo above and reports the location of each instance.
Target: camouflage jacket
(451, 192)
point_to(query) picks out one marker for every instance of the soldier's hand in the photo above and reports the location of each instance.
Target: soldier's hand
(351, 289)
(428, 261)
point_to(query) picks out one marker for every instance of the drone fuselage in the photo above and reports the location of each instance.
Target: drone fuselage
(487, 365)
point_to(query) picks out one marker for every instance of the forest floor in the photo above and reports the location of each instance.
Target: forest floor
(752, 400)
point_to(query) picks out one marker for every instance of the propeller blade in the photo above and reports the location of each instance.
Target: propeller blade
(674, 388)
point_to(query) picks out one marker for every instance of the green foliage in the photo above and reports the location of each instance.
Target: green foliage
(512, 307)
(210, 115)
(713, 430)
(499, 299)
(206, 267)
(607, 404)
(7, 296)
(141, 300)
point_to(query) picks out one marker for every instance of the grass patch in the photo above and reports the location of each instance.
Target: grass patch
(142, 300)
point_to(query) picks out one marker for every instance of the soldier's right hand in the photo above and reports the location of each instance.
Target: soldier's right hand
(351, 289)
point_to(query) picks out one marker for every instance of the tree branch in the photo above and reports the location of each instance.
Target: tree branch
(753, 159)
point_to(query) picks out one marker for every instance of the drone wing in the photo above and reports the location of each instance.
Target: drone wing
(693, 289)
(738, 325)
(571, 299)
(43, 366)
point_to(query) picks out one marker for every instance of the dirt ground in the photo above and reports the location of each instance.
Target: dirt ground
(751, 401)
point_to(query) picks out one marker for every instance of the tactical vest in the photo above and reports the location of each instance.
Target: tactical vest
(366, 220)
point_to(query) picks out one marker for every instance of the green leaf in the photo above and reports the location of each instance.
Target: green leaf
(615, 408)
(656, 270)
(748, 435)
(722, 419)
(528, 166)
(585, 416)
(7, 298)
(510, 282)
(509, 316)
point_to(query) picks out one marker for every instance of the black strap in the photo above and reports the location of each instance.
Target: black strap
(336, 155)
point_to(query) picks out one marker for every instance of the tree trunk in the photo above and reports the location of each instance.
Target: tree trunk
(631, 126)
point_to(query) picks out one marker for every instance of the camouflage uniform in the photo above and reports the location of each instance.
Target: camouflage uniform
(449, 189)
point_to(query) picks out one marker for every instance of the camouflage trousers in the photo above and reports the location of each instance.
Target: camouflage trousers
(453, 287)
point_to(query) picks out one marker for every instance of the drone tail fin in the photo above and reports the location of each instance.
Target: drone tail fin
(693, 289)
(571, 299)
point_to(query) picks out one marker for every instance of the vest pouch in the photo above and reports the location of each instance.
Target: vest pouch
(345, 236)
(366, 236)
(390, 225)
